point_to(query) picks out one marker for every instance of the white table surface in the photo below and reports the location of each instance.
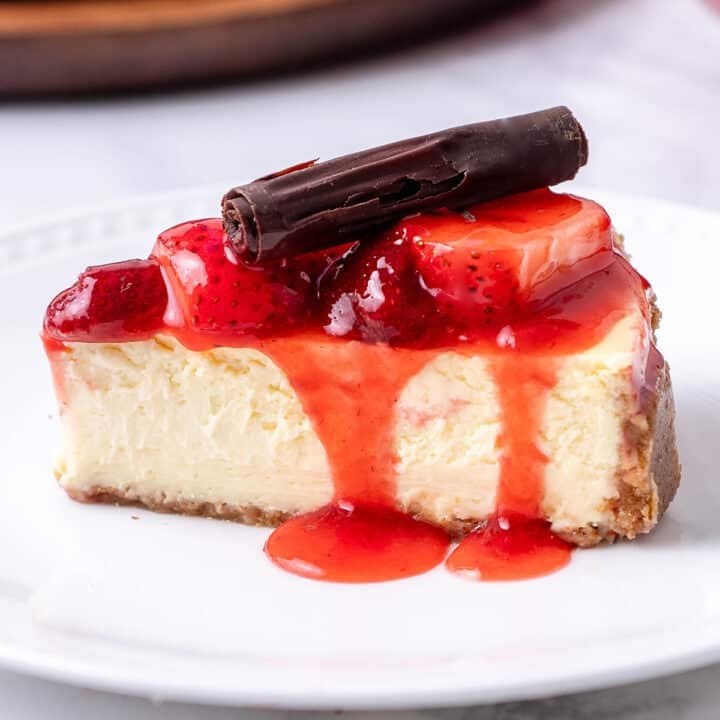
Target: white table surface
(642, 75)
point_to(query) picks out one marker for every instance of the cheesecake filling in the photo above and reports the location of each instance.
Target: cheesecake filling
(414, 408)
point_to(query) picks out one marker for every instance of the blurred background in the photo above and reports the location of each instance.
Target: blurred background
(103, 100)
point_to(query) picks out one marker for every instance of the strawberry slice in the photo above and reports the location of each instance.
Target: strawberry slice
(110, 303)
(448, 276)
(213, 292)
(483, 265)
(472, 284)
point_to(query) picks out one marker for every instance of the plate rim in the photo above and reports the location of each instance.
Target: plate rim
(81, 673)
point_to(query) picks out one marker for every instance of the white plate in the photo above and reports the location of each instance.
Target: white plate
(190, 609)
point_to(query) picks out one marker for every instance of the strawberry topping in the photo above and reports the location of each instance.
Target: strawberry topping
(115, 302)
(432, 279)
(216, 293)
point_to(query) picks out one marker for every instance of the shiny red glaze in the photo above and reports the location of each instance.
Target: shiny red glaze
(510, 547)
(108, 303)
(364, 543)
(374, 293)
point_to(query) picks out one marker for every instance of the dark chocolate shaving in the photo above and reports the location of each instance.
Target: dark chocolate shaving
(317, 205)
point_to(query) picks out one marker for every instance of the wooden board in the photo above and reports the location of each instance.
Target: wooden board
(71, 46)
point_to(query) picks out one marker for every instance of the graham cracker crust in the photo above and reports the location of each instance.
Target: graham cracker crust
(158, 502)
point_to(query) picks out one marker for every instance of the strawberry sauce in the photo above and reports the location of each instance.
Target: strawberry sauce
(361, 537)
(509, 547)
(343, 542)
(522, 281)
(515, 544)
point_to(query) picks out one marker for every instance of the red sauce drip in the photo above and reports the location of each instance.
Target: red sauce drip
(522, 385)
(51, 345)
(488, 282)
(54, 350)
(361, 538)
(510, 547)
(330, 377)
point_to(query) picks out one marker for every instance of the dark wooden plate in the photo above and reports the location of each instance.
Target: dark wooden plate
(72, 46)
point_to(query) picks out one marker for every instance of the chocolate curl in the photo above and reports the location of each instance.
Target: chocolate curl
(318, 205)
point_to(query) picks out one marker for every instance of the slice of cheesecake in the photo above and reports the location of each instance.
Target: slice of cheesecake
(474, 369)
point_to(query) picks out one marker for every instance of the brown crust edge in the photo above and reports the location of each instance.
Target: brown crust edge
(650, 472)
(158, 502)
